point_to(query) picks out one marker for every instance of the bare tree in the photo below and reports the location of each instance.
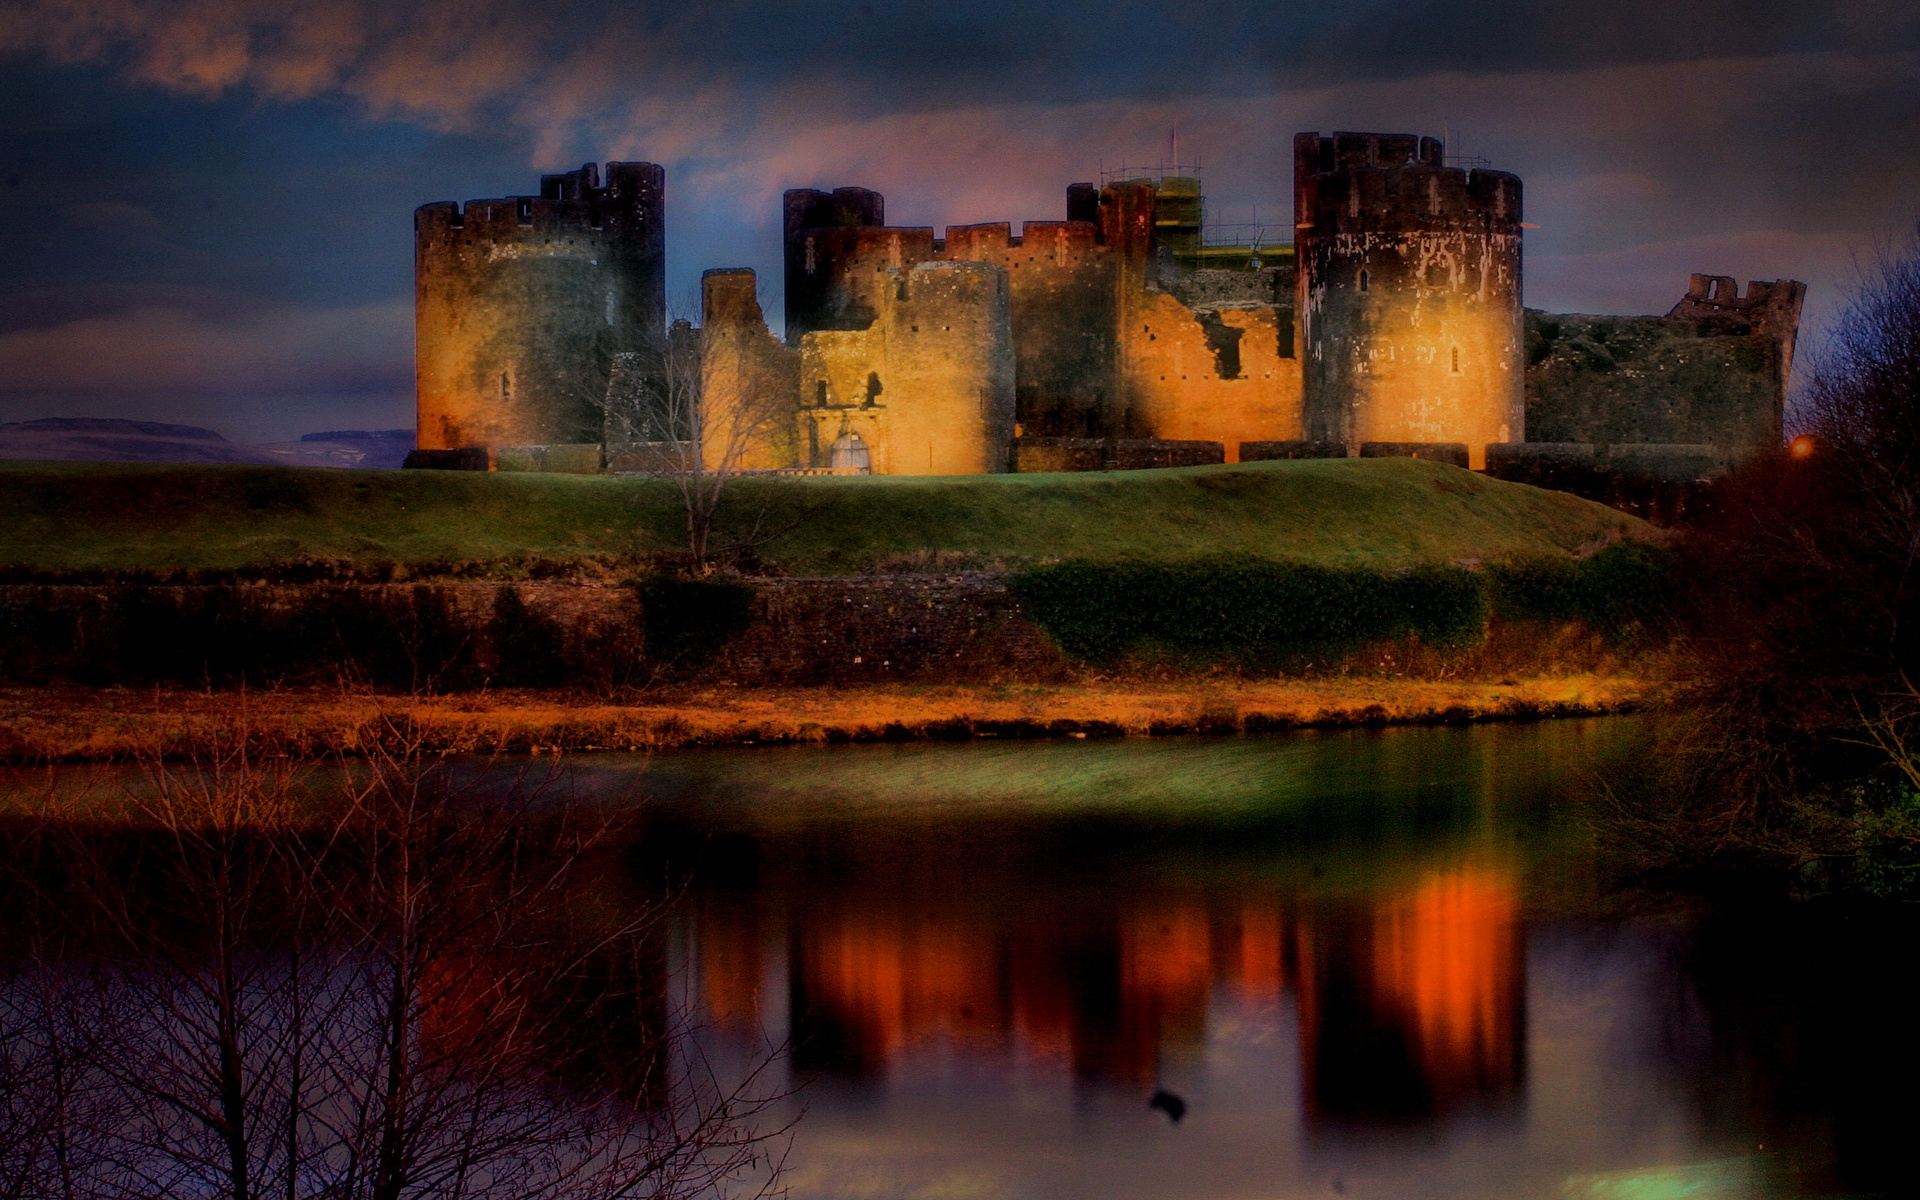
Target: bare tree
(693, 410)
(387, 991)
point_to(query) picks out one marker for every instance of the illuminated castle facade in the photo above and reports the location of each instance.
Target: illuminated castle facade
(1117, 337)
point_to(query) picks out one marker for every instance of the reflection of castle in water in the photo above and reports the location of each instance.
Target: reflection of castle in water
(1409, 1001)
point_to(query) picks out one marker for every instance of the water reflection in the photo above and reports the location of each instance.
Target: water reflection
(1411, 1001)
(1414, 1003)
(1371, 963)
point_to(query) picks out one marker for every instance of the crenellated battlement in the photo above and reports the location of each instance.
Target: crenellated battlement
(1395, 183)
(572, 210)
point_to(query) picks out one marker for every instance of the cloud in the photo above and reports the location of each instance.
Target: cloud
(680, 74)
(179, 349)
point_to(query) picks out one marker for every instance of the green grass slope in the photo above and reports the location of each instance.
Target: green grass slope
(1352, 512)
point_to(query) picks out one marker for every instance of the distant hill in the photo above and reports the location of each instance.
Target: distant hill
(1374, 512)
(108, 439)
(111, 439)
(381, 448)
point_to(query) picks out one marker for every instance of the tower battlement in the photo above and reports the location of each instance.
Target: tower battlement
(1395, 183)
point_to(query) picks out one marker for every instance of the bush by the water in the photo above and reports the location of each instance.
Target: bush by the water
(1260, 613)
(1622, 590)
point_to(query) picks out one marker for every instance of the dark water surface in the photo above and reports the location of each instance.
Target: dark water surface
(1370, 963)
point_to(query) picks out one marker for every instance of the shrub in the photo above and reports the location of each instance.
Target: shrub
(1253, 612)
(1624, 590)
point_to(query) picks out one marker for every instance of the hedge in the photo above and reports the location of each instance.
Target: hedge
(1247, 610)
(1264, 613)
(1624, 590)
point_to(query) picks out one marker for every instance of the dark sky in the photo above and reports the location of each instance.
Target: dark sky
(204, 204)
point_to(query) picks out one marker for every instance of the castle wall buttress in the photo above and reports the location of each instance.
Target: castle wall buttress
(522, 304)
(1408, 276)
(749, 380)
(1126, 210)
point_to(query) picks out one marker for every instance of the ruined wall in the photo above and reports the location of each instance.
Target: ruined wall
(884, 629)
(522, 303)
(748, 379)
(1223, 373)
(1770, 308)
(1100, 347)
(928, 387)
(1409, 293)
(1715, 380)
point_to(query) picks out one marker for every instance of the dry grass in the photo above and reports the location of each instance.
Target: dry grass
(81, 725)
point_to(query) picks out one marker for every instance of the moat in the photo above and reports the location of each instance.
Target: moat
(1369, 963)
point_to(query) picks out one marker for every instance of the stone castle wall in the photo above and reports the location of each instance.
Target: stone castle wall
(891, 628)
(1394, 321)
(748, 379)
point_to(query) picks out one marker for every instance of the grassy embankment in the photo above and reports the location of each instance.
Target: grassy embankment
(81, 520)
(87, 517)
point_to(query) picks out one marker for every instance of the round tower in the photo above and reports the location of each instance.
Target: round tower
(521, 304)
(1409, 294)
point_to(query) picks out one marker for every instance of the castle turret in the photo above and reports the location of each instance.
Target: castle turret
(523, 302)
(1408, 294)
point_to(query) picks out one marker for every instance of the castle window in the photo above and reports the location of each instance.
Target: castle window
(1364, 280)
(873, 389)
(820, 394)
(1456, 360)
(506, 385)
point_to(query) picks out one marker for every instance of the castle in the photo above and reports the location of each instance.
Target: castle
(1120, 337)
